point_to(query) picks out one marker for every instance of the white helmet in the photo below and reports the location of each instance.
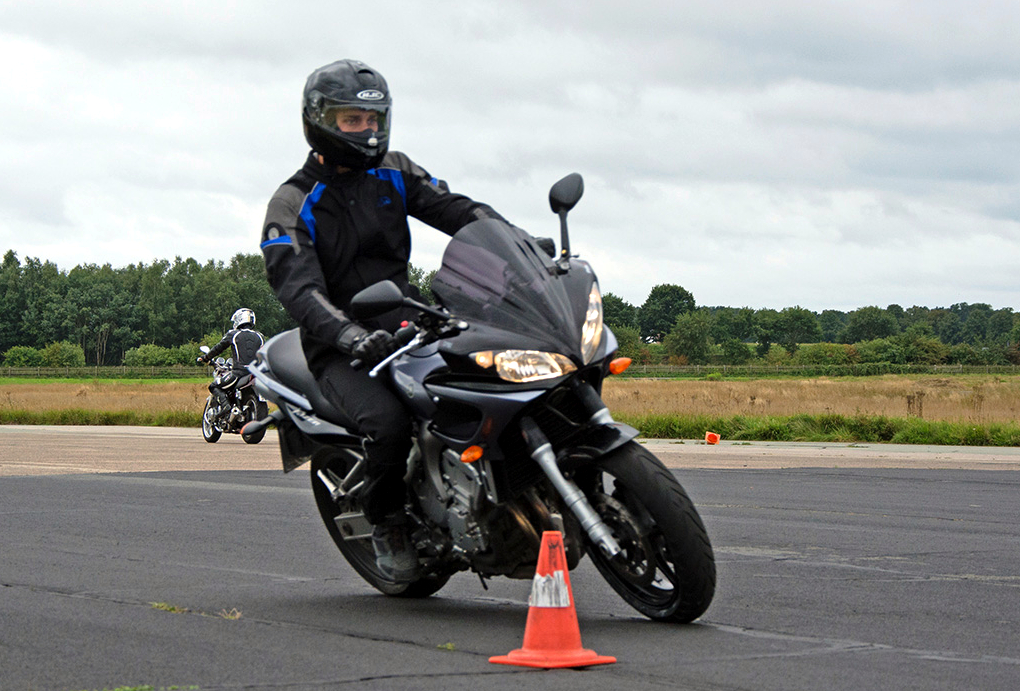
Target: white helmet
(243, 316)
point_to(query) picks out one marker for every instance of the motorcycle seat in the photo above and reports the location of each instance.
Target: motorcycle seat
(287, 362)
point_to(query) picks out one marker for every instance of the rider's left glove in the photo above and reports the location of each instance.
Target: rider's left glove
(374, 347)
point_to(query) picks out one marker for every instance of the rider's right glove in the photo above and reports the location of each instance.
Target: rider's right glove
(371, 347)
(200, 360)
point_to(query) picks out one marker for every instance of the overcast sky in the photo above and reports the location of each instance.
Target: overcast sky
(830, 155)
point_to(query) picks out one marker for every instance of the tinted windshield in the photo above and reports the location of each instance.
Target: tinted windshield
(494, 274)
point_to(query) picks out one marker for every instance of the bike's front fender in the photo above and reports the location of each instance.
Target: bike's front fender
(597, 440)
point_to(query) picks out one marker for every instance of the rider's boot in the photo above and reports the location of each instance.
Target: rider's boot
(395, 554)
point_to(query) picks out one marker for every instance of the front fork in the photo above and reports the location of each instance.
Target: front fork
(542, 452)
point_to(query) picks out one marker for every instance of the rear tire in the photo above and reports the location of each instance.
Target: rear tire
(209, 431)
(667, 569)
(336, 463)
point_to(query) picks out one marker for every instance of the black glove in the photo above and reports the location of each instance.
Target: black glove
(371, 347)
(200, 360)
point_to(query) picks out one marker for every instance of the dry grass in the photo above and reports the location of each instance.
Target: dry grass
(978, 399)
(984, 399)
(104, 396)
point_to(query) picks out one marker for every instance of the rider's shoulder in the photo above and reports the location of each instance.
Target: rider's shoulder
(398, 160)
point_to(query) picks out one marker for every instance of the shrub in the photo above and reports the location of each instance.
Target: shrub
(23, 356)
(149, 355)
(63, 354)
(824, 354)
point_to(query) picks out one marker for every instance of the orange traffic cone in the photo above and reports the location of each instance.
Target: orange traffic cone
(711, 437)
(552, 638)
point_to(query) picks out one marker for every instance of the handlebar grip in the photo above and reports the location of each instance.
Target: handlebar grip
(406, 334)
(357, 364)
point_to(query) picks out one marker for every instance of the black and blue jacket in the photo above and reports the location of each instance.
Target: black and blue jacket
(327, 235)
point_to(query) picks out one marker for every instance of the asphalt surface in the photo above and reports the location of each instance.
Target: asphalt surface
(847, 575)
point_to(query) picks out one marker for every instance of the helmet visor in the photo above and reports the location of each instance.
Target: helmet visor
(357, 121)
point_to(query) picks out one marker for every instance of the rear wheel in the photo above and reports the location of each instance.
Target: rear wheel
(209, 431)
(344, 516)
(666, 570)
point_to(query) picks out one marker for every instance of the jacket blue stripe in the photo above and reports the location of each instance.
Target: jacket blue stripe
(282, 240)
(393, 176)
(306, 209)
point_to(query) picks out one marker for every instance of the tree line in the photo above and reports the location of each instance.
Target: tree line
(99, 315)
(158, 314)
(670, 328)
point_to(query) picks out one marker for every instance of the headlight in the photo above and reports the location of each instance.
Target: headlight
(591, 332)
(522, 366)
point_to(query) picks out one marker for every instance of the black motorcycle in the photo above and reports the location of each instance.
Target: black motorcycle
(502, 379)
(242, 404)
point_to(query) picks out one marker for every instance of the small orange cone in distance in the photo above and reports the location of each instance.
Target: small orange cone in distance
(552, 638)
(711, 437)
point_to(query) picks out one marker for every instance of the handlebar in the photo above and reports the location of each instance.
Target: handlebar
(411, 337)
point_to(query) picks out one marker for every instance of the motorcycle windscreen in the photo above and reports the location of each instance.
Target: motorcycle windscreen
(494, 274)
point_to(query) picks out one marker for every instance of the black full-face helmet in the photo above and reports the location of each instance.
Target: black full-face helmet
(334, 89)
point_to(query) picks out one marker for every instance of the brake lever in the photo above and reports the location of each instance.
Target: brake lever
(422, 338)
(416, 342)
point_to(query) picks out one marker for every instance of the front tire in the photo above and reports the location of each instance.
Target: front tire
(335, 464)
(209, 431)
(666, 570)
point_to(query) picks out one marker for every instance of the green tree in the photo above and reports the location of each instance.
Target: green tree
(617, 312)
(629, 342)
(975, 328)
(766, 328)
(869, 323)
(796, 325)
(660, 310)
(832, 323)
(689, 336)
(422, 280)
(735, 352)
(1000, 323)
(730, 323)
(918, 345)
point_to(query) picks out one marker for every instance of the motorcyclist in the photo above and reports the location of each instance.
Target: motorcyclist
(336, 226)
(244, 341)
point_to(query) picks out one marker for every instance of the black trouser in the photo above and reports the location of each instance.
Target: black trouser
(381, 417)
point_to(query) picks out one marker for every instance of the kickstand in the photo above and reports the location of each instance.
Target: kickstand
(485, 586)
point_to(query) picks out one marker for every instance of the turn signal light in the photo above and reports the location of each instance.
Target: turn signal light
(619, 365)
(471, 454)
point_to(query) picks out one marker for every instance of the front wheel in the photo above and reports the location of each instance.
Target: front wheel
(209, 430)
(334, 464)
(666, 570)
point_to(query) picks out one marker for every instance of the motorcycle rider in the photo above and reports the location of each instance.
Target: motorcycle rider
(339, 225)
(244, 341)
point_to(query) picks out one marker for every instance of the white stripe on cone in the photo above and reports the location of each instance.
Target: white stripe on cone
(549, 591)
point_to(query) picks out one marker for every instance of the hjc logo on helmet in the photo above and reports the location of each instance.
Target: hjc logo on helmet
(371, 95)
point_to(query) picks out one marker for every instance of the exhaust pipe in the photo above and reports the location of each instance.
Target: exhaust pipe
(256, 426)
